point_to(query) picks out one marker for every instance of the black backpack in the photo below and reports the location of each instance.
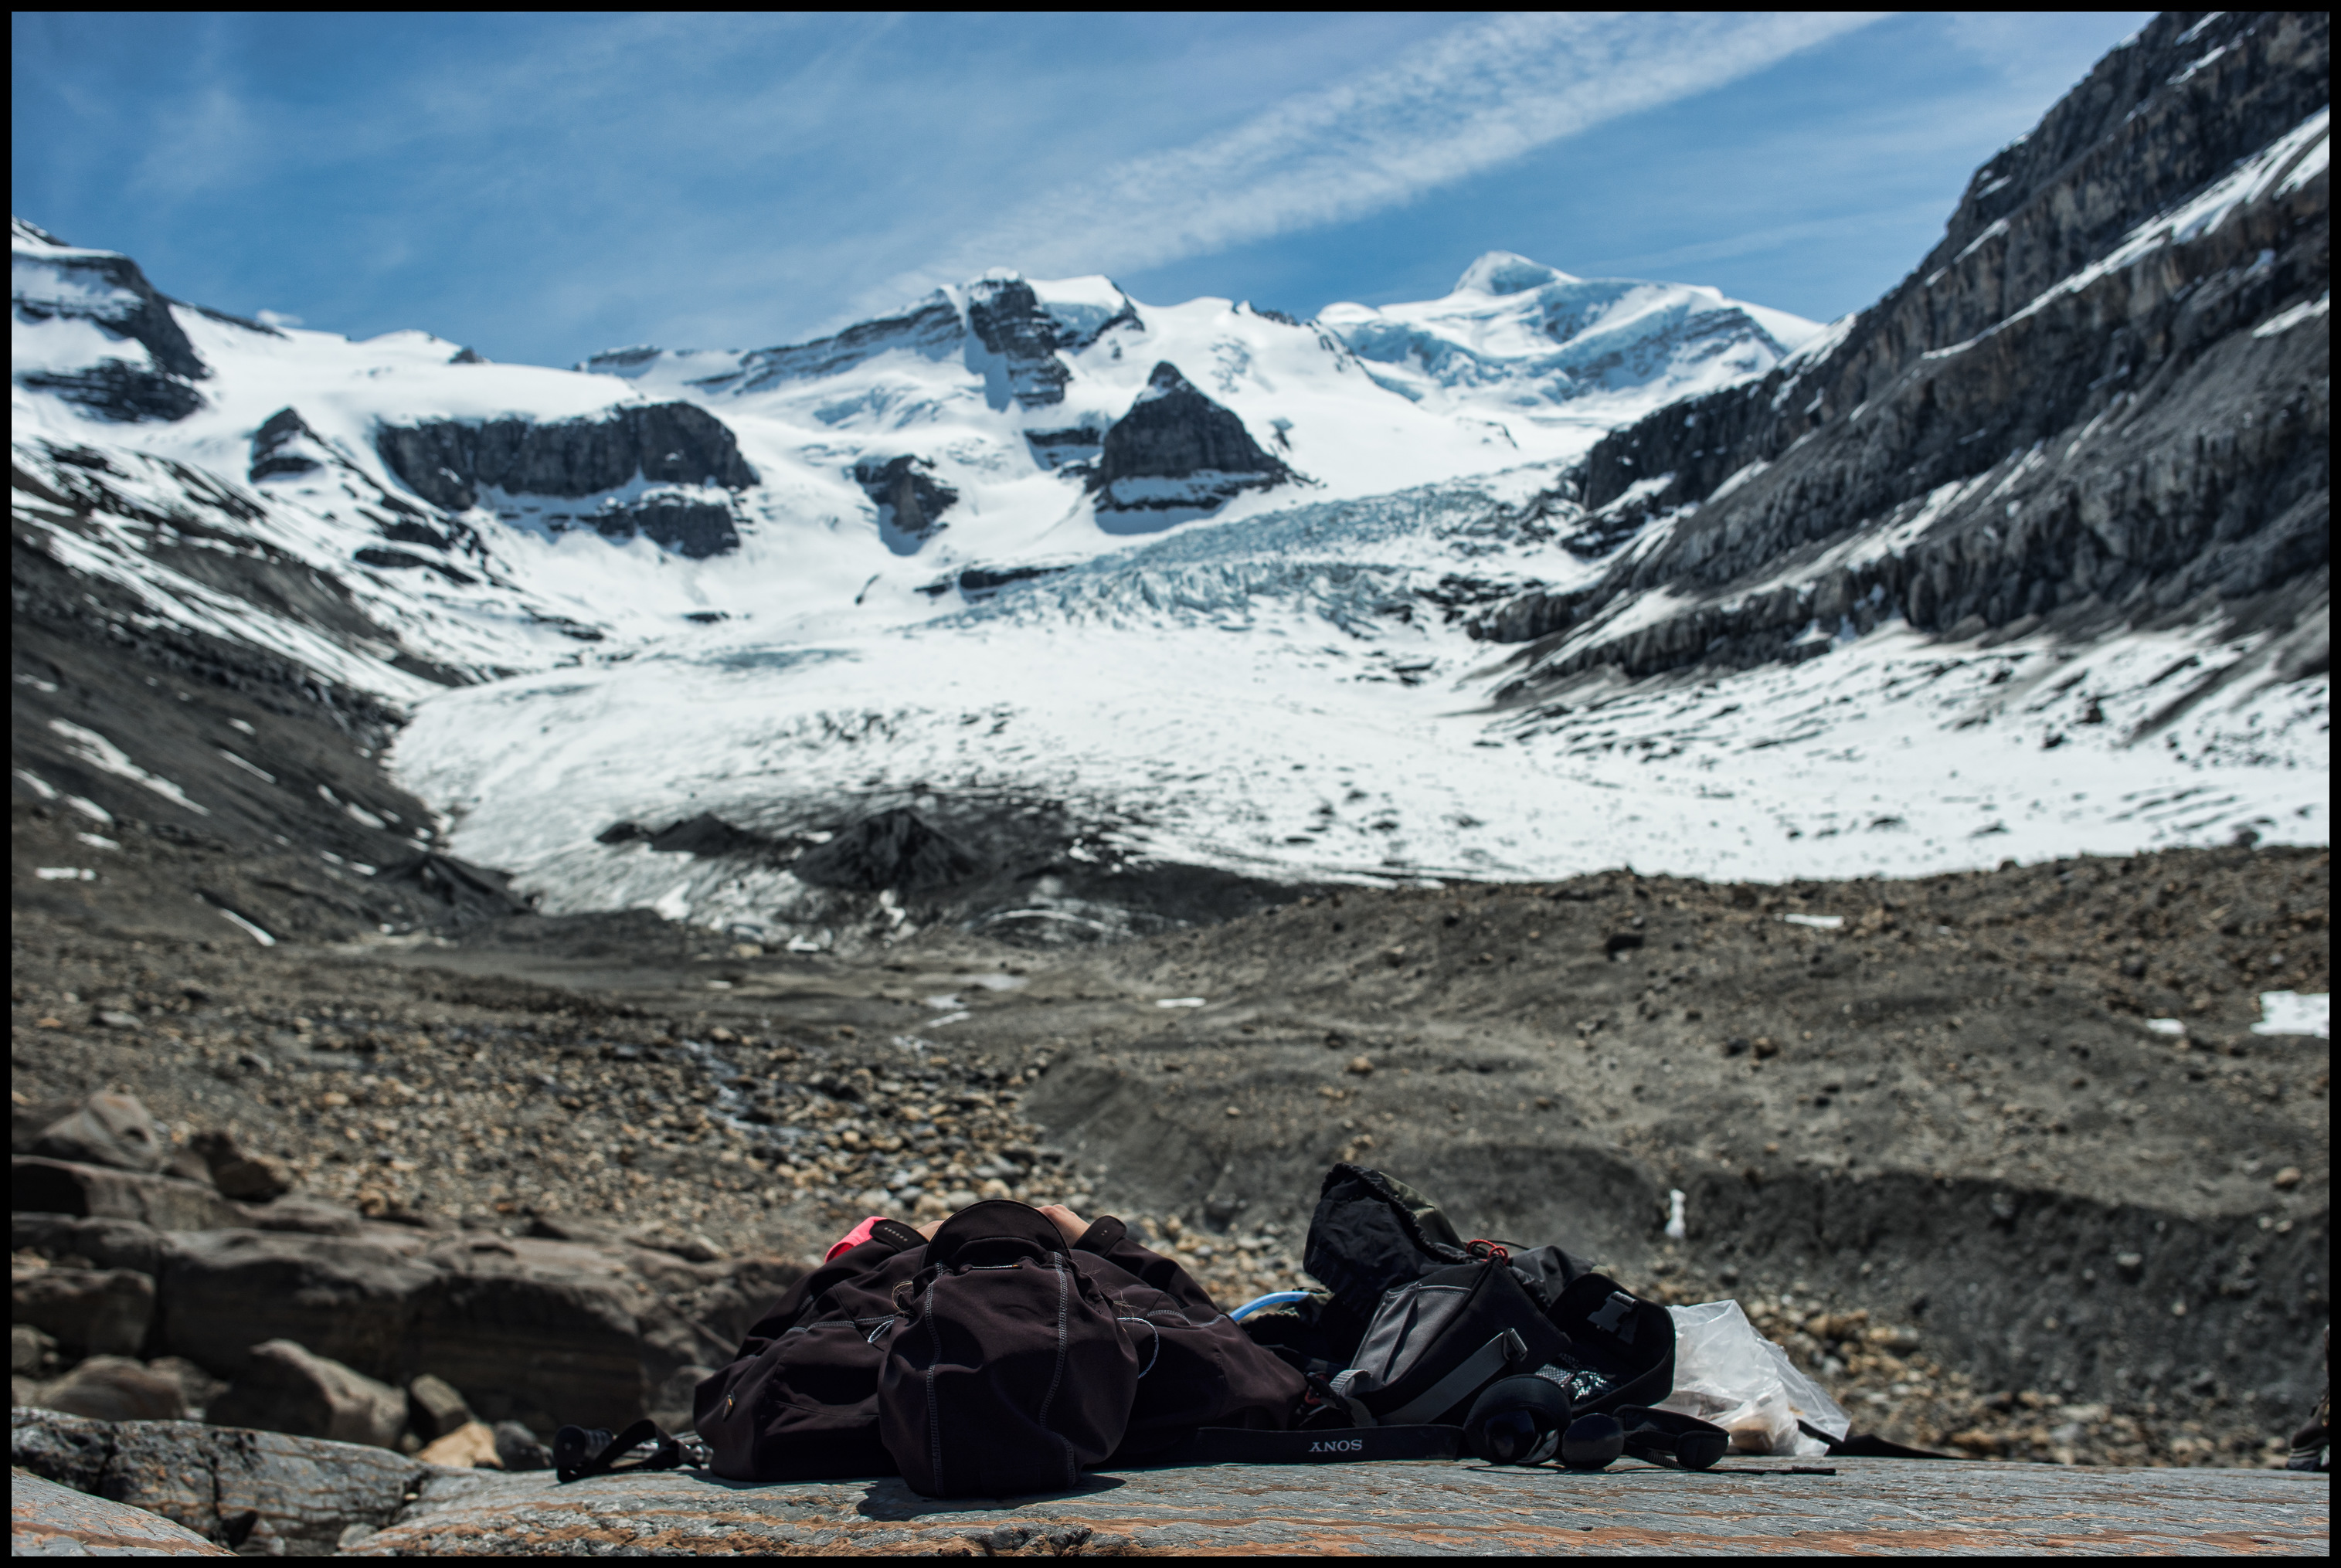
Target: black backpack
(1373, 1232)
(1435, 1343)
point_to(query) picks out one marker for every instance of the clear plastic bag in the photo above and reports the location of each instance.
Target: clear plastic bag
(1726, 1373)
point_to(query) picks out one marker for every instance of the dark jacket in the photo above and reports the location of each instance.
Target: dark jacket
(801, 1401)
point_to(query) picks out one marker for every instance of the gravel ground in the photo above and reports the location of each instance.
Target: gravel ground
(1980, 1039)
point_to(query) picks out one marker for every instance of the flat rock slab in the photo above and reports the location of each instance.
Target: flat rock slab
(1866, 1507)
(47, 1520)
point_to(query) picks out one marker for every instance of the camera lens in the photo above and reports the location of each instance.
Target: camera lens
(1506, 1437)
(1516, 1420)
(1593, 1441)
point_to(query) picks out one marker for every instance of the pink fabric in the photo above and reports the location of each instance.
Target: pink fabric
(854, 1238)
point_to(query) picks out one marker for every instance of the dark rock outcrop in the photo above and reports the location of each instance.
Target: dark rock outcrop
(705, 834)
(1015, 340)
(1174, 431)
(696, 529)
(284, 444)
(895, 851)
(1009, 321)
(449, 462)
(1054, 448)
(165, 1203)
(1175, 451)
(446, 461)
(528, 1329)
(102, 1312)
(910, 501)
(2062, 414)
(265, 1492)
(113, 294)
(119, 391)
(467, 893)
(931, 329)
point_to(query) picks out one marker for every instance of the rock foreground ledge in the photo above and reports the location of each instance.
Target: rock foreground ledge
(287, 1498)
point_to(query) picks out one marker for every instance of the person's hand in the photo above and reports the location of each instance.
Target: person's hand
(1073, 1225)
(928, 1230)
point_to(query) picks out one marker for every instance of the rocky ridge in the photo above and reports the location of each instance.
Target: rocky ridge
(2104, 396)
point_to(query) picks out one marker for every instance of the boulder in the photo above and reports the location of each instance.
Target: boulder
(115, 1388)
(345, 1298)
(102, 1311)
(102, 1242)
(283, 1387)
(47, 1520)
(71, 1187)
(434, 1408)
(472, 1445)
(238, 1175)
(517, 1448)
(31, 1352)
(107, 1129)
(542, 1347)
(266, 1492)
(197, 1387)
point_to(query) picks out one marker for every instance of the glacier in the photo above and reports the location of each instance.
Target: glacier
(1285, 680)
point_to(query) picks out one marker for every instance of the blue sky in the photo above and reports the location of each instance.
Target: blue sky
(543, 186)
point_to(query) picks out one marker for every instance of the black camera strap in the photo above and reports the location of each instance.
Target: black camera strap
(1333, 1446)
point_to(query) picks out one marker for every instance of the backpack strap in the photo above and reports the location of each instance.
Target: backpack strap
(1866, 1446)
(665, 1453)
(1479, 1369)
(1336, 1445)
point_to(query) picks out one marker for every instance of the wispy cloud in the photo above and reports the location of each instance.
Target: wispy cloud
(1465, 102)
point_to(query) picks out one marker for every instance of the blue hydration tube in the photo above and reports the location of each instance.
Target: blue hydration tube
(1274, 1298)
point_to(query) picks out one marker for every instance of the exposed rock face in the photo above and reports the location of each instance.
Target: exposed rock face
(696, 529)
(2106, 393)
(47, 1520)
(119, 391)
(283, 1387)
(705, 834)
(165, 1203)
(284, 444)
(448, 462)
(1009, 320)
(671, 443)
(107, 1129)
(910, 501)
(932, 328)
(1178, 449)
(1006, 329)
(113, 294)
(105, 1312)
(265, 1492)
(894, 849)
(529, 1329)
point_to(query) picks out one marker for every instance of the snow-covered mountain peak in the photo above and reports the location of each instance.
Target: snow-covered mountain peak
(1528, 343)
(1507, 272)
